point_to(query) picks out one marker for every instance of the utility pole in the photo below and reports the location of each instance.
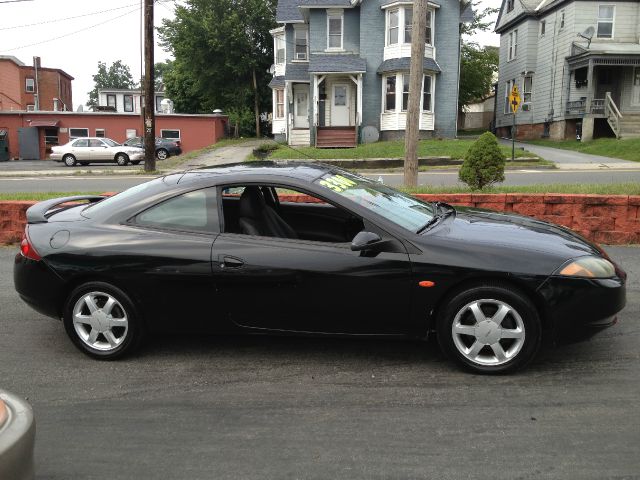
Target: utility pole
(148, 111)
(416, 74)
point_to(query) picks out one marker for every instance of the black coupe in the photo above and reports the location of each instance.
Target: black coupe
(302, 248)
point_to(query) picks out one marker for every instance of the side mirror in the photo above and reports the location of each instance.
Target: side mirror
(364, 241)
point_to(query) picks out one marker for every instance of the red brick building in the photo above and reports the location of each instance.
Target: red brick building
(20, 83)
(32, 134)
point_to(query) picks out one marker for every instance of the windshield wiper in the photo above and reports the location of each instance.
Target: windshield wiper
(437, 215)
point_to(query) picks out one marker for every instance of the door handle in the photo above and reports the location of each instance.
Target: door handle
(227, 261)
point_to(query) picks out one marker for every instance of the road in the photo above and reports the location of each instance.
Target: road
(437, 178)
(280, 408)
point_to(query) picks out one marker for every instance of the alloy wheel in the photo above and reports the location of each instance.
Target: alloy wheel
(488, 332)
(161, 154)
(100, 321)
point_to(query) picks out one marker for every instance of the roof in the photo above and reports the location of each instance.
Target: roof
(125, 90)
(13, 59)
(325, 3)
(277, 82)
(306, 171)
(402, 64)
(614, 48)
(287, 11)
(342, 63)
(297, 72)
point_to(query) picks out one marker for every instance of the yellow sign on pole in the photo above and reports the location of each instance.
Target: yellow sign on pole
(514, 99)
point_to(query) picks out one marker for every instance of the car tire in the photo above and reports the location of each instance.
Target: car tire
(69, 160)
(162, 154)
(101, 321)
(122, 159)
(136, 162)
(489, 329)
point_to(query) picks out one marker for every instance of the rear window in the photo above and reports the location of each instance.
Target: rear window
(118, 201)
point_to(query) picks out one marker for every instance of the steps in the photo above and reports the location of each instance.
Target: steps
(630, 126)
(299, 137)
(336, 137)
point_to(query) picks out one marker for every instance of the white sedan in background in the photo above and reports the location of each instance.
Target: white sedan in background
(88, 150)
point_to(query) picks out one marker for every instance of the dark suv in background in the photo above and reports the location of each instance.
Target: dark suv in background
(164, 147)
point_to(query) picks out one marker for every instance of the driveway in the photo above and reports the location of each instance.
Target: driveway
(203, 407)
(570, 160)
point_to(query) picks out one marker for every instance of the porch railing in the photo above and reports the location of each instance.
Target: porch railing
(597, 106)
(577, 107)
(612, 113)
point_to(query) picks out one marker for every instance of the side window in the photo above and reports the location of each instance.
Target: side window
(83, 142)
(192, 211)
(96, 143)
(284, 212)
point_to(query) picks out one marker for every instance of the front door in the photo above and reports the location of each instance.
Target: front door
(301, 106)
(98, 150)
(635, 90)
(340, 105)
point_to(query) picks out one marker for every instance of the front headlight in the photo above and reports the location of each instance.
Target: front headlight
(588, 267)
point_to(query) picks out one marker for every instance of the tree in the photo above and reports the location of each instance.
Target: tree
(160, 70)
(478, 65)
(483, 164)
(222, 50)
(117, 75)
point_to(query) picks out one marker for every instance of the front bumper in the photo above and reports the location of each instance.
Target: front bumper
(56, 157)
(578, 308)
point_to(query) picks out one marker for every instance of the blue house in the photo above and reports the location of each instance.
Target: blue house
(341, 70)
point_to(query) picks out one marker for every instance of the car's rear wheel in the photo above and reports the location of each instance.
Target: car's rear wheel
(122, 159)
(162, 154)
(69, 160)
(101, 321)
(490, 329)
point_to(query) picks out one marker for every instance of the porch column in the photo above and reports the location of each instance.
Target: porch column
(590, 90)
(359, 107)
(314, 103)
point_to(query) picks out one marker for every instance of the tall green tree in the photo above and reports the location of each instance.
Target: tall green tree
(222, 51)
(478, 64)
(116, 75)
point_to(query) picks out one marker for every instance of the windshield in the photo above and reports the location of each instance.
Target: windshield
(397, 207)
(110, 142)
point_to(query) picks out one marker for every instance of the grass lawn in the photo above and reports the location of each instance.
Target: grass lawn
(391, 149)
(631, 188)
(628, 149)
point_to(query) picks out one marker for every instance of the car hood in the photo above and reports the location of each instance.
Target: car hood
(489, 239)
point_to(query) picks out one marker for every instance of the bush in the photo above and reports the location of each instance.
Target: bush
(264, 150)
(483, 164)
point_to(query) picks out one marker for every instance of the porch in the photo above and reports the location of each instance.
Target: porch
(604, 86)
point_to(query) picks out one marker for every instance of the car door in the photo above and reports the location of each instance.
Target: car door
(80, 150)
(312, 286)
(98, 150)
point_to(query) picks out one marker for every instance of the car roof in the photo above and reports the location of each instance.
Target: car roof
(299, 170)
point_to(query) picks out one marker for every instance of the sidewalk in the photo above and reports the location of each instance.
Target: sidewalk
(570, 160)
(220, 156)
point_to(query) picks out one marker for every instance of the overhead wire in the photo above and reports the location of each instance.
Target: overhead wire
(66, 18)
(70, 33)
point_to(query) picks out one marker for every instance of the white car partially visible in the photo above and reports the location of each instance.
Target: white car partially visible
(17, 438)
(88, 150)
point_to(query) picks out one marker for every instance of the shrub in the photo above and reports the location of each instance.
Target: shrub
(264, 150)
(483, 164)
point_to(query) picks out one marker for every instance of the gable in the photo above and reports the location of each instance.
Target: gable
(520, 8)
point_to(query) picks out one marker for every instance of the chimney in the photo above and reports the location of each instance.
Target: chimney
(55, 104)
(36, 62)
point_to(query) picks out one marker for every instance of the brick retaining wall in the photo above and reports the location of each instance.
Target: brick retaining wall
(609, 219)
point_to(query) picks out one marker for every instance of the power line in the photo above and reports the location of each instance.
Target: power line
(15, 1)
(71, 33)
(66, 18)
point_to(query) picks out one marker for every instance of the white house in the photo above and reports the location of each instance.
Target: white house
(127, 101)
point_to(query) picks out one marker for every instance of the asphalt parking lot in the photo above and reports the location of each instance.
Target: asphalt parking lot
(265, 407)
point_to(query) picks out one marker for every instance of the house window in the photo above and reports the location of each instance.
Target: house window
(29, 85)
(51, 136)
(508, 87)
(334, 21)
(78, 133)
(394, 26)
(279, 47)
(390, 94)
(605, 20)
(527, 89)
(302, 43)
(513, 45)
(510, 4)
(31, 108)
(128, 103)
(131, 133)
(543, 28)
(429, 33)
(426, 94)
(279, 102)
(159, 99)
(561, 19)
(405, 92)
(100, 132)
(170, 134)
(111, 101)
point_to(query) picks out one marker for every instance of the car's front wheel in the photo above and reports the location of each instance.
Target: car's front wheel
(101, 321)
(490, 329)
(69, 160)
(122, 159)
(162, 154)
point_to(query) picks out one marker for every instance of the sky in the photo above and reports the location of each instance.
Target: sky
(101, 31)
